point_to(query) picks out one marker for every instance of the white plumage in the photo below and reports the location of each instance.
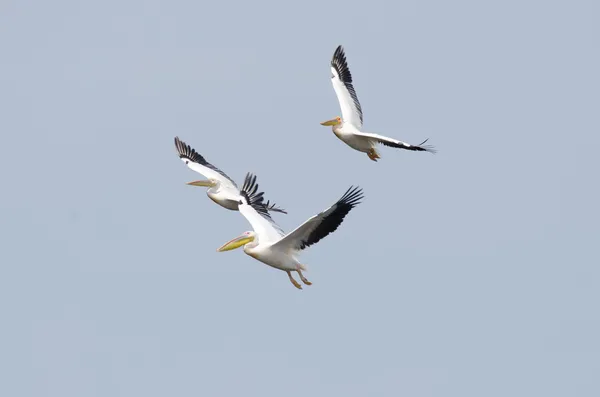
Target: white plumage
(270, 245)
(221, 188)
(348, 127)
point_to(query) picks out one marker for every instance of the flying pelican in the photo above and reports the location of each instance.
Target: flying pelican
(270, 245)
(221, 188)
(348, 127)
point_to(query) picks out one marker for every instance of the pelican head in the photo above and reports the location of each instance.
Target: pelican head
(207, 183)
(332, 122)
(238, 242)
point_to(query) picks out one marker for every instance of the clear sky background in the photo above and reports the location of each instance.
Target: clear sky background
(472, 272)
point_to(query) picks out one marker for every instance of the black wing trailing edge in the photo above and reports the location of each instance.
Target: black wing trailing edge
(341, 66)
(187, 152)
(334, 219)
(255, 199)
(419, 148)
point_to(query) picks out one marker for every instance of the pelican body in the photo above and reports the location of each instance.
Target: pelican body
(268, 244)
(348, 127)
(221, 188)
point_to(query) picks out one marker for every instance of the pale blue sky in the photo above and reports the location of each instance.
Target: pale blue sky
(473, 272)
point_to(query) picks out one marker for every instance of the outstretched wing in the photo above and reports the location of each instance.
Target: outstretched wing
(341, 79)
(253, 208)
(196, 162)
(384, 140)
(322, 224)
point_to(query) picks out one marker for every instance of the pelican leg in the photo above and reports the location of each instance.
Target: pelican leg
(304, 280)
(296, 284)
(373, 155)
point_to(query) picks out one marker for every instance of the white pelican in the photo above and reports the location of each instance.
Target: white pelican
(268, 244)
(221, 188)
(348, 127)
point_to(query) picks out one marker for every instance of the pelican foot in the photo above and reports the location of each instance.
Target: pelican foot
(296, 284)
(304, 280)
(373, 155)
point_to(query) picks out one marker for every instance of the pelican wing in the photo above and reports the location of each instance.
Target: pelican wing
(384, 140)
(274, 208)
(256, 211)
(322, 224)
(341, 79)
(196, 162)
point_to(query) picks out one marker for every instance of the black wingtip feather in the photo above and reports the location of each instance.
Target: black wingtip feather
(185, 151)
(427, 148)
(256, 200)
(341, 65)
(331, 222)
(352, 196)
(273, 208)
(418, 148)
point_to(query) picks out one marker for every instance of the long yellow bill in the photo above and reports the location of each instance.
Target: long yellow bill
(330, 122)
(235, 243)
(201, 183)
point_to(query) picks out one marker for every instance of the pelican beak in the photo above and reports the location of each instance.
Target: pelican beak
(330, 122)
(201, 183)
(235, 243)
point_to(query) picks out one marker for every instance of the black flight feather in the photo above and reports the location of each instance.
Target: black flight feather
(255, 199)
(420, 147)
(338, 62)
(331, 221)
(187, 152)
